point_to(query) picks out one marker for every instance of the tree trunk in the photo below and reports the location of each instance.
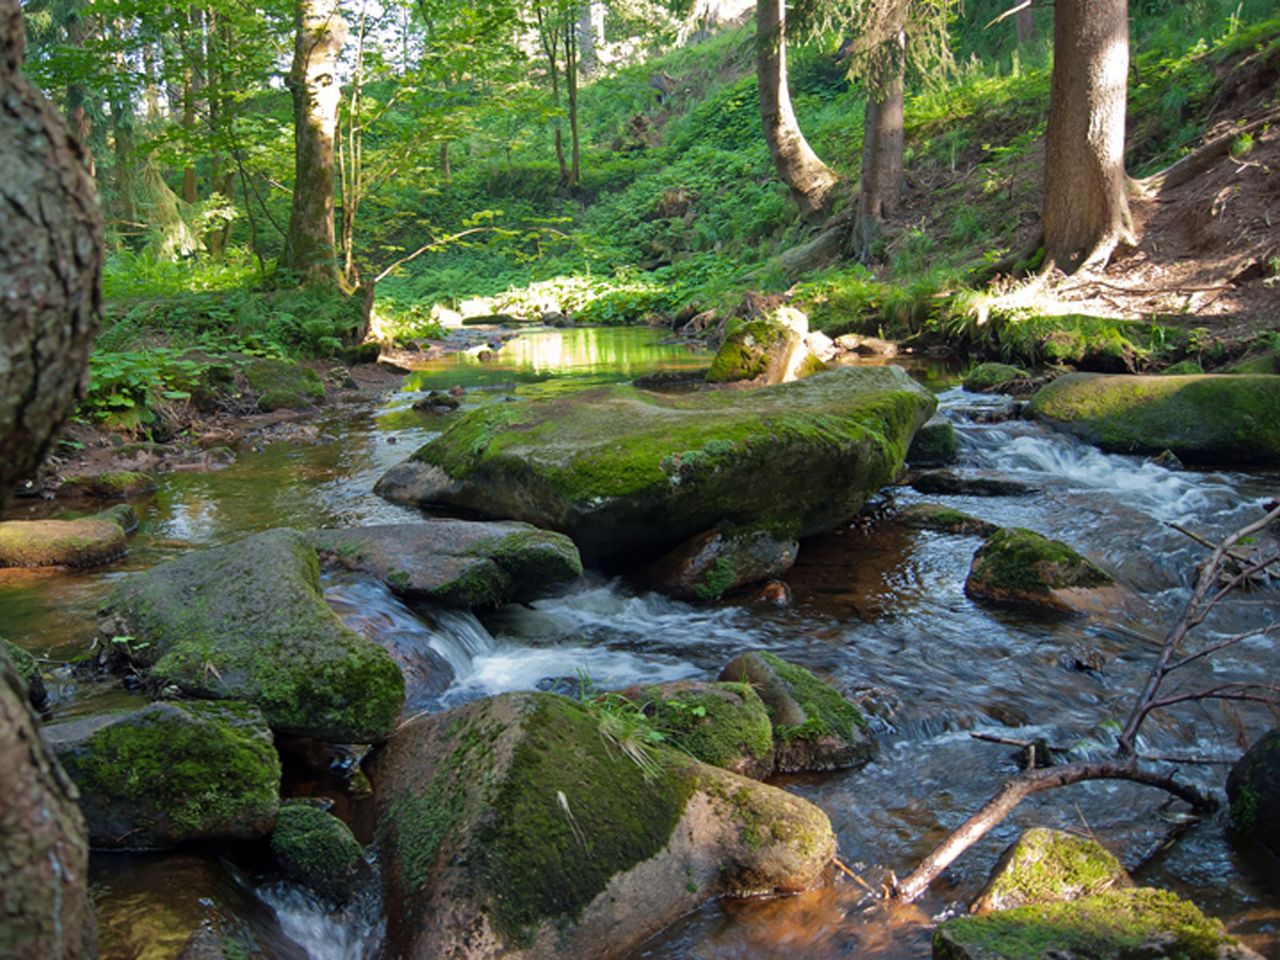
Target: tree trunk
(590, 34)
(882, 145)
(1024, 22)
(1086, 208)
(50, 271)
(810, 180)
(571, 85)
(445, 172)
(309, 250)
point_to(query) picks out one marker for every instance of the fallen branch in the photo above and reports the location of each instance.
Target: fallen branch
(1202, 158)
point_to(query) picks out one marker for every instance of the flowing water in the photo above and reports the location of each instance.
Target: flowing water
(879, 609)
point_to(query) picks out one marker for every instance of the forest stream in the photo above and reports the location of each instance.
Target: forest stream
(878, 608)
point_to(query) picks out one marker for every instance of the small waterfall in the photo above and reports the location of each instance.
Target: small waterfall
(354, 932)
(461, 639)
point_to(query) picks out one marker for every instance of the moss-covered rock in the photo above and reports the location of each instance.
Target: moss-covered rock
(1047, 866)
(629, 474)
(1184, 367)
(1022, 567)
(513, 825)
(944, 519)
(122, 515)
(458, 563)
(283, 385)
(994, 378)
(171, 772)
(111, 485)
(712, 563)
(814, 727)
(88, 542)
(316, 849)
(934, 444)
(28, 671)
(723, 724)
(1261, 363)
(1253, 787)
(247, 621)
(1209, 419)
(763, 352)
(1134, 924)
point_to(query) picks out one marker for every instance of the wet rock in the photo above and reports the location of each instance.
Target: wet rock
(1083, 658)
(866, 346)
(88, 542)
(995, 378)
(946, 483)
(1000, 411)
(437, 400)
(109, 485)
(247, 621)
(282, 385)
(1208, 419)
(514, 824)
(1017, 566)
(317, 850)
(712, 563)
(723, 724)
(1166, 459)
(935, 516)
(934, 444)
(763, 352)
(1135, 924)
(774, 593)
(122, 515)
(814, 727)
(458, 563)
(29, 672)
(1253, 788)
(1047, 866)
(171, 772)
(630, 474)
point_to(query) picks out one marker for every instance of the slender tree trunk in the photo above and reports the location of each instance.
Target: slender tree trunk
(548, 34)
(309, 248)
(1024, 22)
(571, 85)
(1086, 208)
(190, 82)
(590, 34)
(445, 172)
(810, 180)
(882, 145)
(50, 272)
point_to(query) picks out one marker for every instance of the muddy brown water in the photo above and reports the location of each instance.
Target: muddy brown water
(880, 610)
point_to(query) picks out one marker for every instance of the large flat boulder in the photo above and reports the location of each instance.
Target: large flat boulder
(171, 772)
(85, 542)
(528, 825)
(247, 621)
(629, 474)
(1205, 419)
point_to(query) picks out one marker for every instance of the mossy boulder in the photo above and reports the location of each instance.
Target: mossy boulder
(247, 621)
(457, 563)
(1018, 566)
(514, 826)
(28, 671)
(716, 561)
(122, 515)
(1047, 866)
(283, 385)
(171, 772)
(1184, 367)
(1208, 419)
(943, 519)
(723, 724)
(629, 474)
(763, 352)
(994, 378)
(934, 444)
(1266, 363)
(1253, 787)
(814, 727)
(1134, 924)
(87, 542)
(316, 849)
(111, 485)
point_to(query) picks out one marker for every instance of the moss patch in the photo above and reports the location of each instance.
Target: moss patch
(281, 384)
(1046, 866)
(315, 848)
(718, 723)
(1117, 925)
(68, 543)
(827, 714)
(116, 484)
(934, 516)
(993, 377)
(1253, 787)
(747, 352)
(23, 662)
(1019, 561)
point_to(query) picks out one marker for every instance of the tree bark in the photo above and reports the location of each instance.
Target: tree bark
(50, 272)
(810, 180)
(1024, 22)
(571, 86)
(882, 145)
(310, 249)
(1086, 208)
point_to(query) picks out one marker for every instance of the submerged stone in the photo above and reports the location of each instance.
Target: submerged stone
(944, 519)
(1022, 567)
(814, 727)
(712, 563)
(1135, 924)
(1207, 419)
(629, 474)
(1047, 866)
(316, 849)
(527, 824)
(88, 542)
(1253, 787)
(171, 772)
(247, 621)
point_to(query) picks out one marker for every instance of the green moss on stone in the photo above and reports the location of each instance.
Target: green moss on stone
(284, 378)
(719, 578)
(23, 662)
(992, 377)
(717, 723)
(1045, 866)
(746, 352)
(1182, 368)
(1021, 561)
(315, 848)
(1116, 925)
(827, 714)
